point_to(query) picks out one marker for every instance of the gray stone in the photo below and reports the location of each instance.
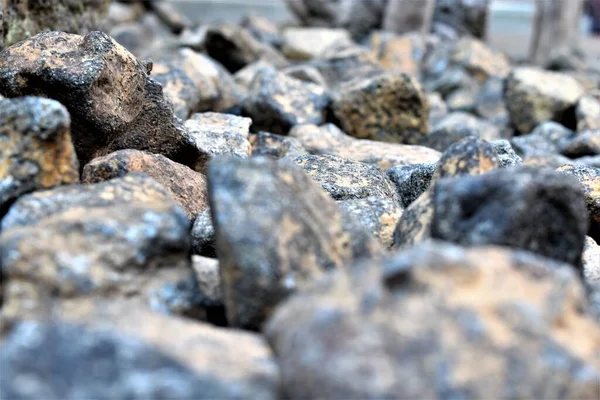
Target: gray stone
(203, 235)
(457, 126)
(277, 146)
(506, 154)
(411, 180)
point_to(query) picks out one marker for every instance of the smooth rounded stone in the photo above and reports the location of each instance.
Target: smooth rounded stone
(277, 102)
(507, 157)
(178, 87)
(308, 43)
(591, 262)
(534, 96)
(588, 112)
(378, 215)
(479, 60)
(440, 321)
(438, 108)
(216, 87)
(235, 47)
(589, 178)
(546, 139)
(127, 253)
(216, 134)
(262, 29)
(329, 139)
(186, 186)
(23, 19)
(209, 280)
(490, 103)
(527, 208)
(457, 126)
(203, 235)
(261, 265)
(109, 111)
(398, 53)
(277, 146)
(586, 143)
(136, 189)
(36, 151)
(341, 66)
(306, 73)
(387, 108)
(411, 181)
(346, 179)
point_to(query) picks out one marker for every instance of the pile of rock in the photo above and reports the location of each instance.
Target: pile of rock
(410, 217)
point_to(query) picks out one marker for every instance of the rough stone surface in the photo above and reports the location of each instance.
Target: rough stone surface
(507, 157)
(588, 112)
(490, 103)
(203, 235)
(440, 321)
(308, 43)
(528, 208)
(398, 53)
(388, 108)
(548, 138)
(457, 126)
(438, 108)
(479, 60)
(534, 96)
(589, 178)
(186, 186)
(277, 102)
(277, 146)
(262, 28)
(215, 134)
(36, 151)
(586, 143)
(591, 262)
(178, 87)
(345, 179)
(411, 180)
(260, 265)
(378, 215)
(113, 103)
(209, 281)
(306, 73)
(341, 66)
(329, 139)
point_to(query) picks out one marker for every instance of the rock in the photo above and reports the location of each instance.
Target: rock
(379, 215)
(411, 180)
(398, 53)
(588, 112)
(109, 111)
(457, 126)
(345, 179)
(527, 208)
(136, 189)
(551, 161)
(162, 356)
(463, 99)
(262, 29)
(23, 19)
(341, 66)
(309, 43)
(385, 108)
(438, 108)
(36, 151)
(146, 38)
(277, 102)
(589, 178)
(306, 73)
(534, 96)
(546, 139)
(178, 87)
(122, 13)
(209, 281)
(440, 321)
(277, 146)
(203, 235)
(169, 16)
(186, 186)
(216, 87)
(591, 262)
(216, 134)
(260, 265)
(246, 75)
(590, 161)
(466, 17)
(235, 47)
(490, 103)
(506, 154)
(586, 143)
(329, 139)
(479, 60)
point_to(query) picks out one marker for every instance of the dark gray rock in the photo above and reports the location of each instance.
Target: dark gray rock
(277, 146)
(506, 154)
(586, 143)
(178, 87)
(203, 235)
(528, 208)
(456, 127)
(548, 138)
(411, 180)
(489, 103)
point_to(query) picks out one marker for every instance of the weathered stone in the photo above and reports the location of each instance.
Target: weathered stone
(36, 151)
(261, 265)
(277, 146)
(463, 99)
(490, 103)
(309, 43)
(465, 17)
(216, 134)
(136, 189)
(457, 126)
(534, 96)
(23, 18)
(588, 112)
(246, 75)
(277, 102)
(306, 73)
(170, 17)
(411, 181)
(329, 139)
(439, 321)
(479, 60)
(552, 161)
(385, 108)
(546, 139)
(178, 87)
(121, 13)
(235, 47)
(203, 235)
(186, 186)
(590, 161)
(586, 143)
(528, 208)
(438, 108)
(591, 262)
(589, 178)
(346, 179)
(209, 281)
(506, 154)
(378, 215)
(262, 29)
(113, 103)
(339, 67)
(398, 53)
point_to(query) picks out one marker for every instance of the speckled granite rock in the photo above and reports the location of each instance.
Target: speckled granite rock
(589, 178)
(339, 66)
(507, 156)
(411, 181)
(277, 146)
(203, 235)
(440, 321)
(178, 87)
